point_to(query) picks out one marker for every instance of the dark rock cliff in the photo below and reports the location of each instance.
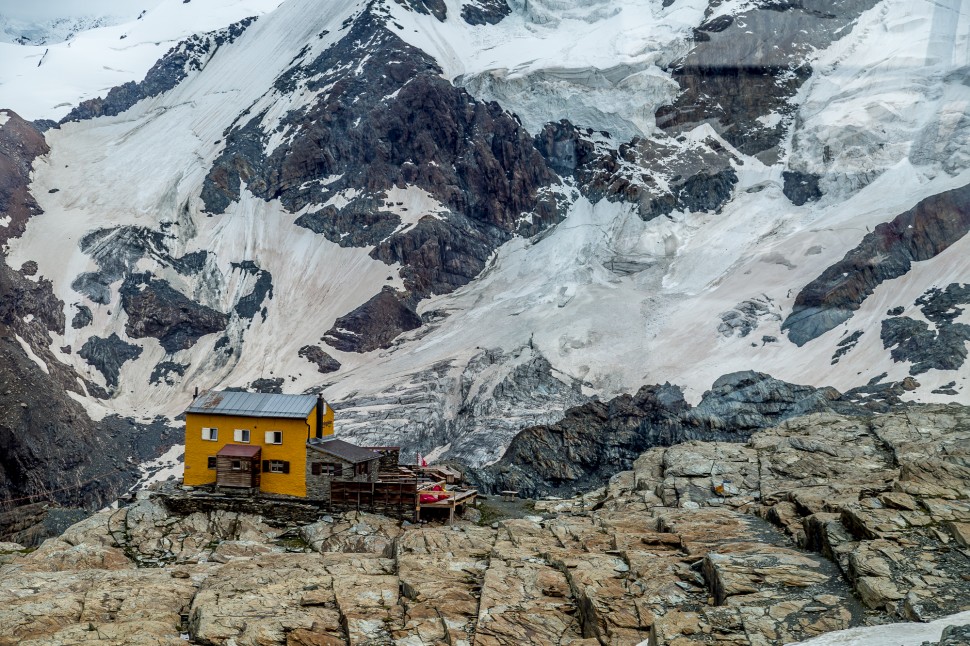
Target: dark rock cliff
(20, 144)
(888, 252)
(393, 123)
(49, 448)
(189, 55)
(698, 178)
(745, 67)
(596, 440)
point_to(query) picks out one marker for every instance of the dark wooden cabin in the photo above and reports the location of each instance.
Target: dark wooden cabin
(332, 460)
(238, 466)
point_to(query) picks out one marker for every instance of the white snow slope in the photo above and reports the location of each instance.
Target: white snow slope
(883, 118)
(45, 81)
(901, 634)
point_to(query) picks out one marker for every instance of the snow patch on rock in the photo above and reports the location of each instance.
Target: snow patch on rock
(45, 81)
(903, 634)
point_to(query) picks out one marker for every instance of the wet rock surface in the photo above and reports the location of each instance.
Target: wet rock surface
(824, 522)
(888, 252)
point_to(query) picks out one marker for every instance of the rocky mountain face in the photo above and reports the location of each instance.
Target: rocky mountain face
(50, 449)
(824, 522)
(462, 219)
(393, 123)
(921, 233)
(592, 441)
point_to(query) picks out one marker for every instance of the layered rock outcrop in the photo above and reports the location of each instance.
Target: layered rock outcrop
(824, 522)
(592, 441)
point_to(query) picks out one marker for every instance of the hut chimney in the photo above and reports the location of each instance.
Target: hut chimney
(196, 395)
(320, 405)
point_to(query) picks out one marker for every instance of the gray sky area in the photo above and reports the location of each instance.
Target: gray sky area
(30, 11)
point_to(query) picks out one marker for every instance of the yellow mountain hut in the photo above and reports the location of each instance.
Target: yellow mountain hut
(253, 441)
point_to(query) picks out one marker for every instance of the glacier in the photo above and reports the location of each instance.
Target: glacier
(595, 306)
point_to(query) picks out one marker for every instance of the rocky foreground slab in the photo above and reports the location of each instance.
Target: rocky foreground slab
(822, 523)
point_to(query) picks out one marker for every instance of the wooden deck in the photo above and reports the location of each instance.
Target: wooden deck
(393, 498)
(397, 494)
(455, 499)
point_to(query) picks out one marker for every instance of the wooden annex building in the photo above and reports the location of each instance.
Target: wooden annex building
(238, 466)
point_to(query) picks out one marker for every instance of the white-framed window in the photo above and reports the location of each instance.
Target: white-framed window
(279, 466)
(210, 434)
(274, 437)
(241, 435)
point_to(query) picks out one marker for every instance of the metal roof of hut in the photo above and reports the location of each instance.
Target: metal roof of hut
(221, 402)
(239, 451)
(344, 450)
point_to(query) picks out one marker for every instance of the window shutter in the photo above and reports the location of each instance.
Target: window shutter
(315, 468)
(286, 467)
(266, 465)
(338, 470)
